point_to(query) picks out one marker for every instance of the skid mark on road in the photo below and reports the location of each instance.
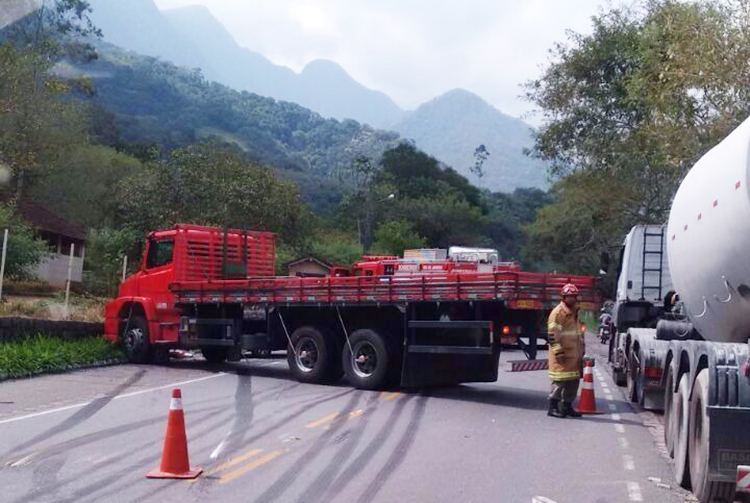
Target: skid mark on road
(126, 395)
(315, 491)
(82, 415)
(369, 452)
(284, 481)
(196, 419)
(399, 453)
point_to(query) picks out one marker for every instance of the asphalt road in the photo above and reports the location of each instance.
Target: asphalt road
(92, 435)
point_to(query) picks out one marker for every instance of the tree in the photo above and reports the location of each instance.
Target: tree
(24, 250)
(395, 236)
(209, 184)
(480, 156)
(628, 111)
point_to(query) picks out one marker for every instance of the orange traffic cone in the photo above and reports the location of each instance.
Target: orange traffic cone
(174, 457)
(587, 402)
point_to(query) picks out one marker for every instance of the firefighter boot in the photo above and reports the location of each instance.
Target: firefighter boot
(568, 410)
(554, 409)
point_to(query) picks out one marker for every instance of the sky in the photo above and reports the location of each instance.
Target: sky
(412, 50)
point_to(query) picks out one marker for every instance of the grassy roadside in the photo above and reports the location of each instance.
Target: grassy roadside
(40, 354)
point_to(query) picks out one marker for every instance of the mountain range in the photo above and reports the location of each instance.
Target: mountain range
(450, 127)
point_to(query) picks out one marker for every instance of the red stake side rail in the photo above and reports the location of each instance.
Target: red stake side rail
(521, 290)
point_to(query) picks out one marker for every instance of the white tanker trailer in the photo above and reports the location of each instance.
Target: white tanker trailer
(693, 362)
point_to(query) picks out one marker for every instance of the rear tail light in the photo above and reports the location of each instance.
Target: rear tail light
(652, 372)
(506, 330)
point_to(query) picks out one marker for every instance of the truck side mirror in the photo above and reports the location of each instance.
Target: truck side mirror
(604, 263)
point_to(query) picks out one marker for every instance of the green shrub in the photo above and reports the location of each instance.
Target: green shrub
(41, 353)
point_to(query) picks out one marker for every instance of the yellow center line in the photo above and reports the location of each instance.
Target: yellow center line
(322, 420)
(391, 396)
(250, 466)
(234, 461)
(332, 417)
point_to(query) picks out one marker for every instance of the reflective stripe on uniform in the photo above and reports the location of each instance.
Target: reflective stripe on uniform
(552, 326)
(564, 375)
(556, 349)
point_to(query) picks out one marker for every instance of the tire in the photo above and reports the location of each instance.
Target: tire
(366, 363)
(635, 390)
(619, 377)
(680, 409)
(699, 443)
(309, 360)
(215, 354)
(669, 417)
(136, 341)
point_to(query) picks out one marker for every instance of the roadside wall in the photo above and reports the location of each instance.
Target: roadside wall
(13, 328)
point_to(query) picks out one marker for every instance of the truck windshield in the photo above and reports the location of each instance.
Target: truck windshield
(159, 253)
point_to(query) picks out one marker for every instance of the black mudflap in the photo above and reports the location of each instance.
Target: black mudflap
(449, 352)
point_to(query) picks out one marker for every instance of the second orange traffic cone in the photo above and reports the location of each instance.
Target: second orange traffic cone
(174, 458)
(587, 401)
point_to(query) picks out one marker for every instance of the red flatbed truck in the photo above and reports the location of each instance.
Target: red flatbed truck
(214, 289)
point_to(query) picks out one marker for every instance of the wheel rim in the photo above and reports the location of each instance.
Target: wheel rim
(306, 354)
(132, 338)
(364, 359)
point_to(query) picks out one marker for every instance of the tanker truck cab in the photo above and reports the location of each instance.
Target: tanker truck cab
(643, 282)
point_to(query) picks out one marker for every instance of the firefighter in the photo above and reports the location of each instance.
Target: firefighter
(566, 350)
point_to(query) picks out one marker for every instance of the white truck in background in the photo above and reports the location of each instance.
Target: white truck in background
(693, 363)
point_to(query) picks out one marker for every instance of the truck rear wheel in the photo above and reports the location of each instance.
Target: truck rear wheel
(136, 340)
(309, 359)
(215, 354)
(699, 447)
(366, 363)
(681, 403)
(669, 416)
(634, 379)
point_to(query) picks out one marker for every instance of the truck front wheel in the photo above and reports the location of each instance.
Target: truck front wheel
(699, 447)
(135, 340)
(309, 358)
(366, 359)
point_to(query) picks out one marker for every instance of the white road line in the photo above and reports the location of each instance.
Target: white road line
(628, 462)
(612, 406)
(616, 417)
(623, 442)
(619, 428)
(126, 395)
(634, 492)
(541, 499)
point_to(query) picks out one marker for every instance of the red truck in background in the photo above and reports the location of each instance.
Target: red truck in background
(385, 322)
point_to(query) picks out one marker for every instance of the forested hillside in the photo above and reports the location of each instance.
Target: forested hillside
(157, 103)
(124, 144)
(192, 37)
(453, 125)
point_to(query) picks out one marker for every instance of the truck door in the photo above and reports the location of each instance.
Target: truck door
(157, 273)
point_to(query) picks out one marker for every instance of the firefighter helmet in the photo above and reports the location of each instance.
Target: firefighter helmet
(569, 289)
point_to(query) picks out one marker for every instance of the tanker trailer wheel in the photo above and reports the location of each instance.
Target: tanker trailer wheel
(699, 446)
(670, 397)
(215, 354)
(136, 340)
(635, 388)
(309, 360)
(366, 363)
(681, 413)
